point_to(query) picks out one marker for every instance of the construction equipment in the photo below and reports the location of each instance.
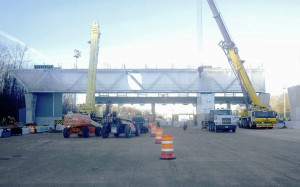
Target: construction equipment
(141, 122)
(119, 126)
(221, 120)
(82, 123)
(256, 114)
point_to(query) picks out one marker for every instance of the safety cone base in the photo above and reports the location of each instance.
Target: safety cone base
(167, 158)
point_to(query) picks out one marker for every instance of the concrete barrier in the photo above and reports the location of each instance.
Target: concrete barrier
(293, 124)
(25, 130)
(40, 129)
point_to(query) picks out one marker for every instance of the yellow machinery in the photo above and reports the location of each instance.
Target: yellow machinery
(82, 123)
(256, 114)
(89, 107)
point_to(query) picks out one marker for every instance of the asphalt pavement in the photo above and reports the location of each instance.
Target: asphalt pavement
(267, 157)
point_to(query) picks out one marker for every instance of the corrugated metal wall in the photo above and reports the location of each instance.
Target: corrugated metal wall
(294, 97)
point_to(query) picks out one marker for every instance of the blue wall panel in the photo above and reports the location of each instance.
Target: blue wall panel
(57, 104)
(49, 105)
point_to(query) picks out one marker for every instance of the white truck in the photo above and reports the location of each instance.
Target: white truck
(221, 120)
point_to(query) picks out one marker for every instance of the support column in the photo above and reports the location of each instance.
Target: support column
(153, 112)
(228, 105)
(205, 103)
(30, 102)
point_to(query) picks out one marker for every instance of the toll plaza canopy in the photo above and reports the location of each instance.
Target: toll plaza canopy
(208, 80)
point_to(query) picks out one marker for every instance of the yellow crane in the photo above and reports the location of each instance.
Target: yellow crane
(256, 114)
(82, 123)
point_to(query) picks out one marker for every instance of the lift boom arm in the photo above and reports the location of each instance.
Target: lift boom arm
(94, 49)
(89, 106)
(236, 63)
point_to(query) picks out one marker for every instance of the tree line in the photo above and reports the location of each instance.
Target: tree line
(11, 92)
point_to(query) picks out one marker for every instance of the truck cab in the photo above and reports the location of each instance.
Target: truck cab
(221, 120)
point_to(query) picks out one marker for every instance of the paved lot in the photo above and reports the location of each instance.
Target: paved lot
(203, 158)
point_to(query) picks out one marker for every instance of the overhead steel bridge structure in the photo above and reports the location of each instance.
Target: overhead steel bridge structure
(46, 86)
(210, 80)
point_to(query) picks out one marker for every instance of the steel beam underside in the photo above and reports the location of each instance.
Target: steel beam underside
(165, 100)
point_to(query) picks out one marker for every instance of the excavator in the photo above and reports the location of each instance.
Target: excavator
(256, 114)
(84, 122)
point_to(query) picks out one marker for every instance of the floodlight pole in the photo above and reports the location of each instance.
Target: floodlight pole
(77, 54)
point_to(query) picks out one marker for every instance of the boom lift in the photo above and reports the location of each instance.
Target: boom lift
(256, 114)
(82, 123)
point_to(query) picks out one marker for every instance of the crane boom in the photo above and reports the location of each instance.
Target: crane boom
(236, 63)
(94, 49)
(257, 114)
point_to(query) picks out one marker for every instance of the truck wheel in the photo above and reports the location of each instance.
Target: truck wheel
(97, 131)
(137, 130)
(85, 132)
(144, 129)
(127, 131)
(66, 133)
(253, 126)
(116, 135)
(104, 133)
(233, 130)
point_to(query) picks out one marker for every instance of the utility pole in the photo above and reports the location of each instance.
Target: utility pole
(284, 107)
(77, 54)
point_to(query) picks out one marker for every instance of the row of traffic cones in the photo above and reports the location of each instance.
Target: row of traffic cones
(166, 141)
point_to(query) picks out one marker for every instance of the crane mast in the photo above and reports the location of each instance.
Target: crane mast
(256, 114)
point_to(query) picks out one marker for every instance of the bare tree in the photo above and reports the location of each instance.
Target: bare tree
(277, 103)
(11, 93)
(69, 103)
(4, 60)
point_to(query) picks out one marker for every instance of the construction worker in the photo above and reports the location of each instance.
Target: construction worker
(158, 124)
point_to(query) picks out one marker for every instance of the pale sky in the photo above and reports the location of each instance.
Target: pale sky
(158, 33)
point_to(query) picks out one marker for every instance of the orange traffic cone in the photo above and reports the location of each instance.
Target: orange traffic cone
(153, 130)
(167, 147)
(32, 129)
(158, 135)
